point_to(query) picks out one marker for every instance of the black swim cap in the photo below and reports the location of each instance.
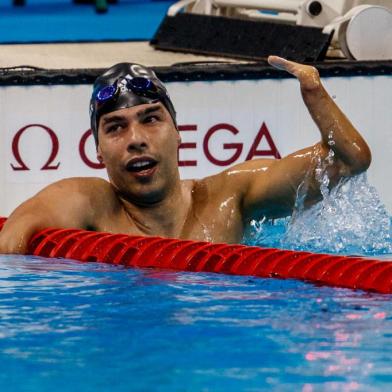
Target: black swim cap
(125, 85)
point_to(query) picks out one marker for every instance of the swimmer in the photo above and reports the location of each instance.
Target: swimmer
(134, 125)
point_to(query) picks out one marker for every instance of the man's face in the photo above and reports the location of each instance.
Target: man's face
(139, 147)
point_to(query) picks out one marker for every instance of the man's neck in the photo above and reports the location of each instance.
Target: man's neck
(164, 218)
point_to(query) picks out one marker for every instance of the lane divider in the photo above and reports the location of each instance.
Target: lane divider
(198, 256)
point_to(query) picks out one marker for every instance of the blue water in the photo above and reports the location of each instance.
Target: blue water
(68, 326)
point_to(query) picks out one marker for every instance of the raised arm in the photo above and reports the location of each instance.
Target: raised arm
(337, 132)
(63, 204)
(270, 186)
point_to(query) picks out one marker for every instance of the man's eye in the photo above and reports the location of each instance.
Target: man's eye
(113, 128)
(151, 119)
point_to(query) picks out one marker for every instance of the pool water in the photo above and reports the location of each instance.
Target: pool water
(69, 326)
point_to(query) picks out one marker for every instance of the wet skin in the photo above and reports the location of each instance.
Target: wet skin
(145, 195)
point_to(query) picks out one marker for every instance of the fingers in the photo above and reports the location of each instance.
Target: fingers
(307, 75)
(287, 65)
(279, 62)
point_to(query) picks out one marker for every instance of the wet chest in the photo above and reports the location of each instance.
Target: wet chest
(217, 221)
(209, 220)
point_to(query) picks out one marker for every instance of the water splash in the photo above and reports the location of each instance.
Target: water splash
(350, 219)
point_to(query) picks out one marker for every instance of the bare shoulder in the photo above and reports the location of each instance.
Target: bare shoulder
(80, 183)
(238, 177)
(79, 191)
(69, 203)
(83, 185)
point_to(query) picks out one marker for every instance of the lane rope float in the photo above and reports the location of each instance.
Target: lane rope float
(198, 256)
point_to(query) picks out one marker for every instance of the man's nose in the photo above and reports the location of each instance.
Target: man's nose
(136, 138)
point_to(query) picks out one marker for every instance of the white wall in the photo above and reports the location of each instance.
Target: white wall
(242, 106)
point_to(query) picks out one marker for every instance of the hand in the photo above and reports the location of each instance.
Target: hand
(307, 75)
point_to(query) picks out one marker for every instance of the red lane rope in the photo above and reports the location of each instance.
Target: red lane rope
(186, 255)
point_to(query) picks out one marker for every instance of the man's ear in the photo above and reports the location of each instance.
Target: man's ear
(99, 154)
(179, 140)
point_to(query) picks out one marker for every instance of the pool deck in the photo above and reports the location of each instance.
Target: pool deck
(94, 55)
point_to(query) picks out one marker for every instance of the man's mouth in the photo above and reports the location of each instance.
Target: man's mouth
(140, 165)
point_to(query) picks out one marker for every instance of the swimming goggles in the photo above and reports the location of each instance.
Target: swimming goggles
(138, 86)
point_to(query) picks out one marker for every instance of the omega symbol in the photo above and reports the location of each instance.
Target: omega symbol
(55, 149)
